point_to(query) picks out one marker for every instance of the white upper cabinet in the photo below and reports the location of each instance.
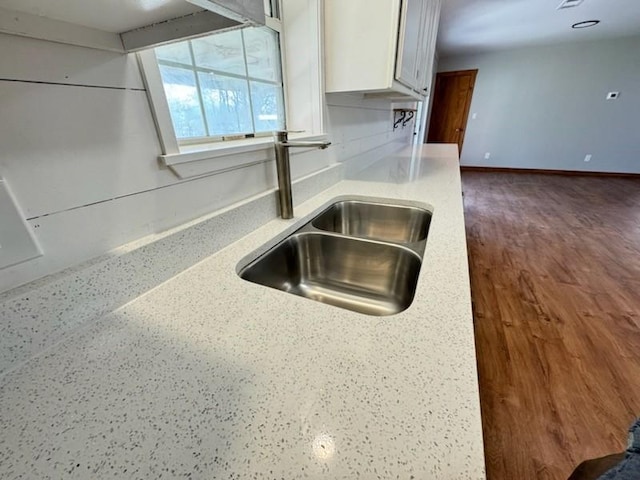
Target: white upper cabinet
(380, 47)
(409, 45)
(428, 42)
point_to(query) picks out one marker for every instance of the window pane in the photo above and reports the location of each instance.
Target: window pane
(184, 104)
(263, 53)
(175, 52)
(268, 106)
(221, 100)
(226, 104)
(221, 51)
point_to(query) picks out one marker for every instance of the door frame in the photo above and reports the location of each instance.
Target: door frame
(467, 106)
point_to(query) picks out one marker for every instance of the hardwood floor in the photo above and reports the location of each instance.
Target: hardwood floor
(555, 278)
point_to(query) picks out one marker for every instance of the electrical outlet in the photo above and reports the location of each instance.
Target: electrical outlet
(587, 158)
(487, 155)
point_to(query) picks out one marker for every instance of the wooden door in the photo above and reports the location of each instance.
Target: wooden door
(451, 101)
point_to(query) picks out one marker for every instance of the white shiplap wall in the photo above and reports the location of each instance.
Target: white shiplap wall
(79, 149)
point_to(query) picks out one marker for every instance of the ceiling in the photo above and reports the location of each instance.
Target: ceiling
(469, 26)
(114, 16)
(466, 25)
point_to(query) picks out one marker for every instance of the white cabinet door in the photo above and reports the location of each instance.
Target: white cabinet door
(427, 50)
(423, 49)
(376, 47)
(411, 26)
(431, 37)
(360, 44)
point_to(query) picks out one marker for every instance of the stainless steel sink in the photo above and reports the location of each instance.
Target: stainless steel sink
(379, 221)
(368, 277)
(359, 254)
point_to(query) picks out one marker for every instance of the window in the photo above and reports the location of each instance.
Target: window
(229, 86)
(225, 85)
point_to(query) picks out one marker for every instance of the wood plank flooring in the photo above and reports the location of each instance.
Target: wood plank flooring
(555, 281)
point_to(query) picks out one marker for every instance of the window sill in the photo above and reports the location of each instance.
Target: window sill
(203, 159)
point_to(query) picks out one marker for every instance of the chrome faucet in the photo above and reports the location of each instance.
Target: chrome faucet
(282, 145)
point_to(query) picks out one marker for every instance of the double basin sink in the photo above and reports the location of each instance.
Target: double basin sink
(359, 253)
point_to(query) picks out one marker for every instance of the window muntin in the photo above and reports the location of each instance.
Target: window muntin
(227, 84)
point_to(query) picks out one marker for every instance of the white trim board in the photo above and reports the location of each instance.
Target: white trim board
(227, 155)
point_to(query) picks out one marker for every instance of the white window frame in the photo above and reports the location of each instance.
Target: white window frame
(300, 32)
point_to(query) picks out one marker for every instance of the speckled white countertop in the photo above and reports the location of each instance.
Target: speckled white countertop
(209, 376)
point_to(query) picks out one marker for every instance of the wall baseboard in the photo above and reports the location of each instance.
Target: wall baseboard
(572, 173)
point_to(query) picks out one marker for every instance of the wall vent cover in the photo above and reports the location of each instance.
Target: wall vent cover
(569, 4)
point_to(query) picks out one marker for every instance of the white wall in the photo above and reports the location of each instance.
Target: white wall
(79, 150)
(545, 107)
